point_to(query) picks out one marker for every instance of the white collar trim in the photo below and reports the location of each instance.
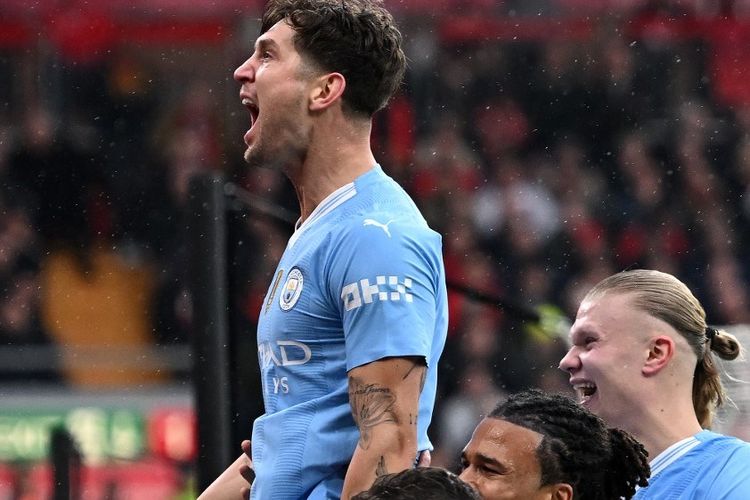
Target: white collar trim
(668, 456)
(329, 203)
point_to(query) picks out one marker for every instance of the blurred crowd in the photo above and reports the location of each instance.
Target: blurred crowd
(547, 163)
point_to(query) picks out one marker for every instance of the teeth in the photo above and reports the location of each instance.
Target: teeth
(585, 385)
(246, 102)
(585, 388)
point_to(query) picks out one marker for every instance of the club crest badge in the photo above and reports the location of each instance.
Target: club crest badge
(292, 289)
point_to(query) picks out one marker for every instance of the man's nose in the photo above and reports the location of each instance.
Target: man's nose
(245, 71)
(467, 476)
(570, 361)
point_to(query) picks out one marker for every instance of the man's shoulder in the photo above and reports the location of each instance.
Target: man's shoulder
(739, 451)
(387, 231)
(716, 468)
(727, 457)
(381, 192)
(730, 460)
(710, 439)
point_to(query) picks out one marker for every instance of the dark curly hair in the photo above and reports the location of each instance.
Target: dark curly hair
(577, 447)
(357, 38)
(419, 484)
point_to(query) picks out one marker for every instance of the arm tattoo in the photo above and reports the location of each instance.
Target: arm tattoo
(423, 376)
(381, 469)
(371, 405)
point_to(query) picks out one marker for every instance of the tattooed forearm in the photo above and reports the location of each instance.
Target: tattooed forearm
(381, 469)
(371, 405)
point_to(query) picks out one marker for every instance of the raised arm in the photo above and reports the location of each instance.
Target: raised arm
(384, 398)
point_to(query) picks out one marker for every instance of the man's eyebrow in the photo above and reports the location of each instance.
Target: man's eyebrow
(586, 330)
(573, 336)
(582, 332)
(265, 44)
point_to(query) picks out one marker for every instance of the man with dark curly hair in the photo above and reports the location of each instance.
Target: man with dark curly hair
(355, 317)
(421, 483)
(538, 446)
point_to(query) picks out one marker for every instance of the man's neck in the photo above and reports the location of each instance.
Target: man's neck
(662, 424)
(333, 160)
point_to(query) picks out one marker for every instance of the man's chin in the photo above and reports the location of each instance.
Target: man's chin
(611, 414)
(249, 156)
(280, 157)
(253, 159)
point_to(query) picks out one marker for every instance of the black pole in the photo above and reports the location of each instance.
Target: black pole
(518, 311)
(66, 463)
(210, 327)
(244, 370)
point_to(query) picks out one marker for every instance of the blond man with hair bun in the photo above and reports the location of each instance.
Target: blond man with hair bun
(642, 358)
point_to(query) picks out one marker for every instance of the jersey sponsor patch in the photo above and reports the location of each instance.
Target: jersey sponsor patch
(385, 288)
(292, 289)
(283, 353)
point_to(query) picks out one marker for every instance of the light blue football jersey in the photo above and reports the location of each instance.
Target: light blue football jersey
(361, 279)
(714, 467)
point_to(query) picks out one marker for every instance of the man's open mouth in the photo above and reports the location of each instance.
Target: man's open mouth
(253, 109)
(584, 391)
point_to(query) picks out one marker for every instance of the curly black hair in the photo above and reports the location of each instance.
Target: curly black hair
(357, 38)
(419, 484)
(577, 448)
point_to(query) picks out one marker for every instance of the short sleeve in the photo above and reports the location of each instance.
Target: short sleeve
(385, 278)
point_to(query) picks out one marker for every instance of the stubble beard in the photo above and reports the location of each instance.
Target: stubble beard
(253, 158)
(289, 150)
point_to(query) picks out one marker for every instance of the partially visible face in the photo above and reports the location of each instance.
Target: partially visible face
(274, 89)
(501, 462)
(609, 345)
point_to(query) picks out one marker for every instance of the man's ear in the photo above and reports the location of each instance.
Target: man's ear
(561, 491)
(326, 90)
(661, 351)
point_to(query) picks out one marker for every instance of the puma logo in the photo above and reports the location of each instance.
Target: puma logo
(384, 227)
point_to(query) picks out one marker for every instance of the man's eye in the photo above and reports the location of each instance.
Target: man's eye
(589, 340)
(486, 470)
